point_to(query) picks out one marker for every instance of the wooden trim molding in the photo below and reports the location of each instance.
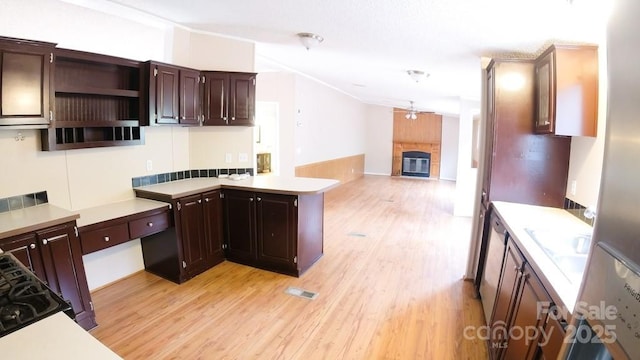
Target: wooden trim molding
(400, 147)
(344, 169)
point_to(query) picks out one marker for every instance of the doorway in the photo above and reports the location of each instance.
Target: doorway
(266, 137)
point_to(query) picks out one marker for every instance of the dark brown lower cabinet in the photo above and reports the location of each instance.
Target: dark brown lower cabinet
(276, 232)
(54, 254)
(522, 314)
(505, 300)
(528, 318)
(193, 245)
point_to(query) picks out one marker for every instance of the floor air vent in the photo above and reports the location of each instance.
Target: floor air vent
(357, 234)
(301, 293)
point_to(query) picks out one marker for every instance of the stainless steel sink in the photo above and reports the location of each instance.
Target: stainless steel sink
(568, 250)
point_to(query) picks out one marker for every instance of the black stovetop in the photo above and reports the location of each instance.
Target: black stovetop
(24, 299)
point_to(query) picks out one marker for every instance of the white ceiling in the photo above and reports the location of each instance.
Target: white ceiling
(370, 44)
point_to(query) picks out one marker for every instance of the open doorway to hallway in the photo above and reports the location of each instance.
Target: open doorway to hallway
(266, 136)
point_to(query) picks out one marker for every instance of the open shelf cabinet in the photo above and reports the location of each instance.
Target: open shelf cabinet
(97, 102)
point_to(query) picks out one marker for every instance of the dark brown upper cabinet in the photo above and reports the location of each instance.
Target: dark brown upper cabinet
(174, 95)
(229, 98)
(566, 91)
(519, 166)
(25, 83)
(97, 102)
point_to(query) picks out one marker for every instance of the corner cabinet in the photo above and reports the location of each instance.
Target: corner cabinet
(25, 82)
(229, 98)
(275, 232)
(54, 254)
(566, 91)
(173, 95)
(194, 245)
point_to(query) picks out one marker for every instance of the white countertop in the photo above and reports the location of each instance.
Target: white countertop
(52, 338)
(518, 217)
(116, 210)
(271, 184)
(16, 222)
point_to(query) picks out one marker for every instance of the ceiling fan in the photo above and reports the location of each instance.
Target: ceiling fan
(411, 113)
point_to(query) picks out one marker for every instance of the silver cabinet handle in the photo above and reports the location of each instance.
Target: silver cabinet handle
(150, 224)
(233, 118)
(206, 200)
(250, 199)
(184, 117)
(106, 238)
(32, 246)
(199, 201)
(259, 198)
(44, 241)
(176, 118)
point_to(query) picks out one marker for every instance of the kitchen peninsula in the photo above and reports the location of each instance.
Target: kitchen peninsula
(273, 223)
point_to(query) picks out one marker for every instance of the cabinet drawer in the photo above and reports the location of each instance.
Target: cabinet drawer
(149, 225)
(103, 238)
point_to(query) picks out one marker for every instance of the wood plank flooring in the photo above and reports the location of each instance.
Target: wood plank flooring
(390, 287)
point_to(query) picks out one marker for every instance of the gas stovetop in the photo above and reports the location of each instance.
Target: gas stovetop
(24, 299)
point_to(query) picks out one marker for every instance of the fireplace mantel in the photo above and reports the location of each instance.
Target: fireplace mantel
(400, 147)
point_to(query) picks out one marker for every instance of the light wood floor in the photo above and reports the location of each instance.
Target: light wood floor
(390, 287)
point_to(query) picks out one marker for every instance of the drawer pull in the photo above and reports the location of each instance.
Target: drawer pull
(150, 224)
(106, 238)
(32, 246)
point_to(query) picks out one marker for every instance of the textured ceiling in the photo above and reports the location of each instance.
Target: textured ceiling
(370, 44)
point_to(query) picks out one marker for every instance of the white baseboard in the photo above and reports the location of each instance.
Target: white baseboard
(373, 173)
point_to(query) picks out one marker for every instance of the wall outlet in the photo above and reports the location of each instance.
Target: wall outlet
(574, 186)
(243, 157)
(228, 157)
(149, 165)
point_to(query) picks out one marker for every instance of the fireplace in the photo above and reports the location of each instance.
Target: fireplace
(416, 163)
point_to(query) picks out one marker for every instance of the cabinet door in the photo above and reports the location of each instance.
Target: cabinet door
(62, 259)
(277, 219)
(545, 96)
(505, 299)
(528, 317)
(167, 90)
(216, 90)
(25, 83)
(189, 97)
(242, 99)
(240, 232)
(555, 332)
(212, 211)
(25, 248)
(191, 233)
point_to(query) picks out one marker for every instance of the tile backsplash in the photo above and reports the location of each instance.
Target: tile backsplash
(23, 201)
(186, 174)
(577, 210)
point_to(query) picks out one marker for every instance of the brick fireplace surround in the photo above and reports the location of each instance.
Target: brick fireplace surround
(400, 147)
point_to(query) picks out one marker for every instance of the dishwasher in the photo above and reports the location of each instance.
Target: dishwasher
(492, 265)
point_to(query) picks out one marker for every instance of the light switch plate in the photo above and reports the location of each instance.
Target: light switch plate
(228, 157)
(243, 157)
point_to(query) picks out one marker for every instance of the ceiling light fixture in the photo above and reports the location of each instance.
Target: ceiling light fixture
(417, 75)
(310, 40)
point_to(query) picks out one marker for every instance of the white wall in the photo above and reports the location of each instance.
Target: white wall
(279, 87)
(466, 175)
(379, 140)
(82, 178)
(329, 124)
(449, 147)
(585, 163)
